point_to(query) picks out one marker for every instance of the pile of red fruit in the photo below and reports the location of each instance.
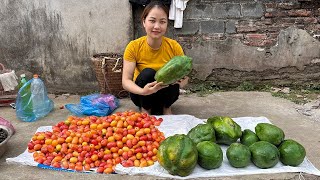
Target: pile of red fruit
(84, 143)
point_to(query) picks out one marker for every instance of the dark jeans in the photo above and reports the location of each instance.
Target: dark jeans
(162, 98)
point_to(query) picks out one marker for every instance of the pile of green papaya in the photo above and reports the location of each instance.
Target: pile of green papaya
(180, 153)
(268, 145)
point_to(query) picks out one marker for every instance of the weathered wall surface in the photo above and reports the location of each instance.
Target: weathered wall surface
(56, 39)
(294, 60)
(232, 41)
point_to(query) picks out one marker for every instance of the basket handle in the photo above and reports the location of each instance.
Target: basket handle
(104, 72)
(104, 63)
(113, 69)
(122, 93)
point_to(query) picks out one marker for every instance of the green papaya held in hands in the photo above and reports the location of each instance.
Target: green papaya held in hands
(174, 70)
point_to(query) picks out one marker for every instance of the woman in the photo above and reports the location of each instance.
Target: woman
(147, 54)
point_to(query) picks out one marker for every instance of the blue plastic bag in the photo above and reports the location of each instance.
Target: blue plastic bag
(32, 102)
(94, 105)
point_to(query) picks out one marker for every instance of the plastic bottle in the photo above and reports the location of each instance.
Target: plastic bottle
(24, 107)
(42, 105)
(23, 80)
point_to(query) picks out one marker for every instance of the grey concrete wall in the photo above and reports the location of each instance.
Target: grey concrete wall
(56, 39)
(294, 60)
(230, 41)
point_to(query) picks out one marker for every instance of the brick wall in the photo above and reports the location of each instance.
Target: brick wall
(255, 23)
(232, 41)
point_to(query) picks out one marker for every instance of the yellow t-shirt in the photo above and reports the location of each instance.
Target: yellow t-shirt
(144, 56)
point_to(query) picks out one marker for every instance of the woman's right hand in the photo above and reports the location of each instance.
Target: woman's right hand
(153, 87)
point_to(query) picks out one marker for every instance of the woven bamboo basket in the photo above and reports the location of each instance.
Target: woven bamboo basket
(6, 97)
(108, 69)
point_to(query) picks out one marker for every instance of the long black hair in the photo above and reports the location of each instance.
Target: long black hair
(151, 5)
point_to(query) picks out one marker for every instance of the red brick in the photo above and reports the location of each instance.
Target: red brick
(236, 36)
(261, 27)
(271, 5)
(311, 20)
(276, 14)
(299, 13)
(256, 36)
(268, 42)
(216, 36)
(267, 21)
(258, 40)
(268, 15)
(241, 29)
(288, 5)
(274, 28)
(286, 20)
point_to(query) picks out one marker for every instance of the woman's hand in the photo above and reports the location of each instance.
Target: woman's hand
(182, 82)
(152, 87)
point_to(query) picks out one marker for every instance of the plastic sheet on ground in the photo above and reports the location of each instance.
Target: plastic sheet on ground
(181, 124)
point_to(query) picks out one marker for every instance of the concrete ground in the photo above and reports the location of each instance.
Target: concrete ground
(279, 111)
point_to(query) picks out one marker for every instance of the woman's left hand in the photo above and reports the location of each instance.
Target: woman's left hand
(152, 87)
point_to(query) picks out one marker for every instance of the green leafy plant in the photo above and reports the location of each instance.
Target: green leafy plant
(204, 88)
(246, 86)
(298, 94)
